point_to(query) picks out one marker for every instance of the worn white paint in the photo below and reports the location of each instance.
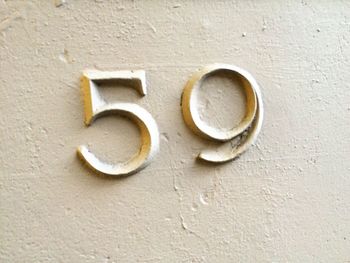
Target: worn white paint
(95, 106)
(285, 199)
(247, 129)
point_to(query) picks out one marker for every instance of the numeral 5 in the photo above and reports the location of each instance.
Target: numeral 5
(95, 107)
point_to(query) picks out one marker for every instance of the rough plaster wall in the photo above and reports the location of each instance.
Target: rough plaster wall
(286, 199)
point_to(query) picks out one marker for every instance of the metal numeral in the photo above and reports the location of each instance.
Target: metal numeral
(248, 128)
(96, 107)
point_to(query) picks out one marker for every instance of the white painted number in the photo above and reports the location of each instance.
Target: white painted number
(96, 107)
(248, 128)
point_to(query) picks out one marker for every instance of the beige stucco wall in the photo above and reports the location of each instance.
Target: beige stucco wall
(285, 200)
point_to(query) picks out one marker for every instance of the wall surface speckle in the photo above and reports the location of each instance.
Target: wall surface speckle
(287, 199)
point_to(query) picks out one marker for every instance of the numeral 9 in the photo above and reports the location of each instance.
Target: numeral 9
(251, 123)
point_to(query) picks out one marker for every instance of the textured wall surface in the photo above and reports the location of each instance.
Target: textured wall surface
(285, 200)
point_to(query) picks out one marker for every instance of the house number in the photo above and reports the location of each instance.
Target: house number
(95, 107)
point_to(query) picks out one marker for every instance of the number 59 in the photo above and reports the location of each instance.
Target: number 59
(95, 107)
